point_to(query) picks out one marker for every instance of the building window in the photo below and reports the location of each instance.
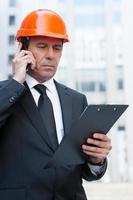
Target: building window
(121, 128)
(89, 86)
(11, 20)
(12, 3)
(120, 84)
(119, 67)
(86, 86)
(11, 40)
(102, 87)
(10, 58)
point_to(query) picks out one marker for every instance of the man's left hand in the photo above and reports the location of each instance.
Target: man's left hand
(97, 147)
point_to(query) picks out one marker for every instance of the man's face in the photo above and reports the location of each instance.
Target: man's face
(47, 53)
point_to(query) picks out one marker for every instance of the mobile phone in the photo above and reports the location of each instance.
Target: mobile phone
(24, 42)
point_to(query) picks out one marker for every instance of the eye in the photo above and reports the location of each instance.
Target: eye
(41, 45)
(58, 47)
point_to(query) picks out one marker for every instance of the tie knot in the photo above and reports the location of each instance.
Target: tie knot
(40, 88)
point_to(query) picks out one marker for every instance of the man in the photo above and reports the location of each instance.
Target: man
(26, 140)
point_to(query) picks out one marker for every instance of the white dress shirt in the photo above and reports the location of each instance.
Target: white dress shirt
(53, 96)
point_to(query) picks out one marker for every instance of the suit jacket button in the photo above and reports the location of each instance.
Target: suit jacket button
(12, 99)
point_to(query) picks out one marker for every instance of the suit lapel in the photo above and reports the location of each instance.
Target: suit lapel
(66, 105)
(33, 114)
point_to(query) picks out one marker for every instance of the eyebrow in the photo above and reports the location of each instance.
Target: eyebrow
(44, 43)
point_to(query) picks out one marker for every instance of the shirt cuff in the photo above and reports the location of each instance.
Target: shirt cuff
(97, 169)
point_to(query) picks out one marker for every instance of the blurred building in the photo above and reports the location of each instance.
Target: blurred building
(127, 33)
(8, 24)
(93, 63)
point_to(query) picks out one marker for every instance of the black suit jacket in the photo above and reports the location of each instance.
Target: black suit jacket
(25, 148)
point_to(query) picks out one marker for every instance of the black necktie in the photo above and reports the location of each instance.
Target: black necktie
(46, 111)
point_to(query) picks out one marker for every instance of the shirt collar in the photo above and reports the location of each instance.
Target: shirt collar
(31, 82)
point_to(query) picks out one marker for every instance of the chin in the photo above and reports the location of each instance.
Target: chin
(46, 76)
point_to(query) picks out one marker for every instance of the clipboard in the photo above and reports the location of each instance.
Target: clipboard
(95, 118)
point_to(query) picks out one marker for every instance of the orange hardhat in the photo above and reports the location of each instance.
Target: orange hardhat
(43, 22)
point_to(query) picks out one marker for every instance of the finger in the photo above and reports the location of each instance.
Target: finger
(30, 61)
(100, 136)
(29, 57)
(94, 141)
(92, 151)
(96, 155)
(33, 64)
(24, 54)
(99, 143)
(19, 48)
(100, 149)
(92, 148)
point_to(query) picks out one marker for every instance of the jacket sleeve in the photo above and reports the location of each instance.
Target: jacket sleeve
(88, 174)
(10, 92)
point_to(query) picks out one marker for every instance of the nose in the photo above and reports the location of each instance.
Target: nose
(50, 53)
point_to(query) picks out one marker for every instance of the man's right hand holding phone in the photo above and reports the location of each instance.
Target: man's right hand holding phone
(21, 60)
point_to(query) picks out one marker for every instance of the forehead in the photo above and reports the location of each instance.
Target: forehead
(42, 39)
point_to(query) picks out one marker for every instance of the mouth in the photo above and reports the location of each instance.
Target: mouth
(48, 66)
